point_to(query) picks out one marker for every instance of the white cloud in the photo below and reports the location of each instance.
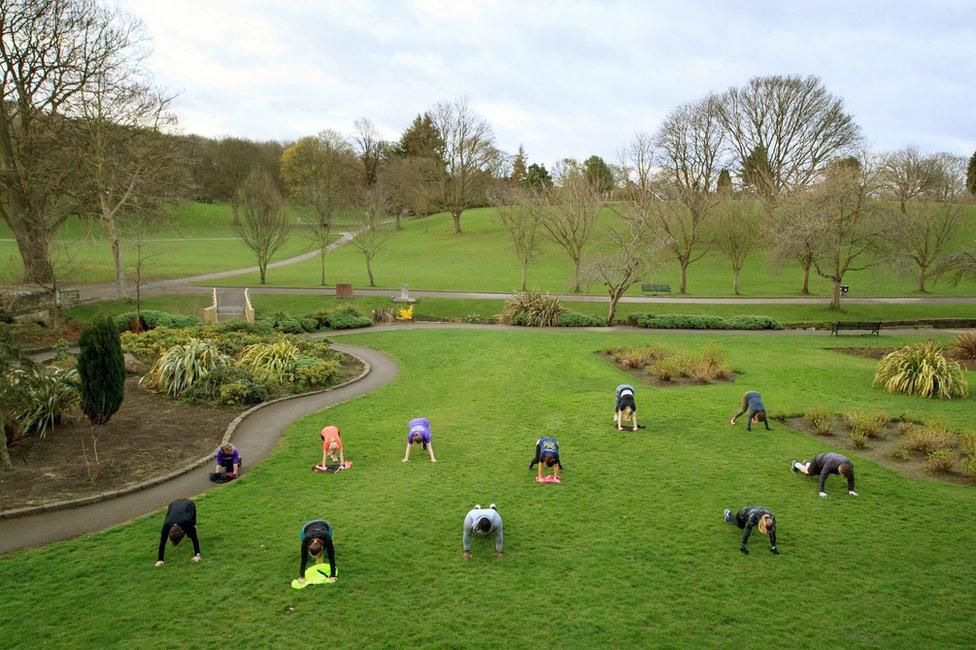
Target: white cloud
(566, 79)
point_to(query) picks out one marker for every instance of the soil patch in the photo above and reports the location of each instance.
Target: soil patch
(676, 382)
(877, 353)
(149, 436)
(879, 450)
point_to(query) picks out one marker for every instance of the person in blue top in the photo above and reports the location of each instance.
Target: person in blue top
(625, 408)
(547, 453)
(418, 432)
(752, 402)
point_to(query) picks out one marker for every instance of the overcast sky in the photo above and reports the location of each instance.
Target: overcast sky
(564, 79)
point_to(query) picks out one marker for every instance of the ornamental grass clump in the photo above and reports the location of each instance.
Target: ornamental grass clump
(819, 420)
(271, 362)
(182, 365)
(870, 425)
(964, 347)
(921, 370)
(942, 461)
(532, 309)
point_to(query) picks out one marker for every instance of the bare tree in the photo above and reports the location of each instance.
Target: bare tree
(738, 231)
(372, 232)
(131, 165)
(135, 232)
(634, 251)
(930, 191)
(469, 157)
(413, 182)
(848, 228)
(795, 120)
(520, 212)
(264, 226)
(636, 162)
(52, 52)
(368, 148)
(233, 159)
(322, 172)
(690, 153)
(568, 219)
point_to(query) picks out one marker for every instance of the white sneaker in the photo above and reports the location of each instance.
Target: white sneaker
(492, 506)
(477, 506)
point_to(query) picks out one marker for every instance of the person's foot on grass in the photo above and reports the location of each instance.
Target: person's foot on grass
(728, 516)
(477, 506)
(498, 554)
(466, 555)
(492, 506)
(793, 467)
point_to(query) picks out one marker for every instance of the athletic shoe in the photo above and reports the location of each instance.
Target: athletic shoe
(793, 467)
(492, 506)
(728, 516)
(477, 506)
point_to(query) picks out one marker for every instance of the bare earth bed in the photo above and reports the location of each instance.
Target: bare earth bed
(149, 436)
(878, 450)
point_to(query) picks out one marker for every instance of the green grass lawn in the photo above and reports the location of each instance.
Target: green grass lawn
(427, 255)
(450, 308)
(196, 238)
(630, 550)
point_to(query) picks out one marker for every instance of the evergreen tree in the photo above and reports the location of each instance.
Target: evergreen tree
(757, 172)
(598, 174)
(420, 140)
(101, 368)
(537, 177)
(971, 175)
(518, 167)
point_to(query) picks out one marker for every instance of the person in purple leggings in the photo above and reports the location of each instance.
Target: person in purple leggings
(418, 432)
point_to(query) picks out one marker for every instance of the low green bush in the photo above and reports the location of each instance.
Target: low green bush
(283, 322)
(684, 322)
(271, 362)
(576, 319)
(242, 392)
(316, 373)
(149, 346)
(344, 320)
(754, 323)
(151, 319)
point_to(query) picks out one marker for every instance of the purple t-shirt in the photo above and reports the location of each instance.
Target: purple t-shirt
(221, 456)
(421, 426)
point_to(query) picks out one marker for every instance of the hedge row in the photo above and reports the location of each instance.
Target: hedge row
(702, 322)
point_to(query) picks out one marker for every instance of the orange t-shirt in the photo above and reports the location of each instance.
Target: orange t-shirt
(330, 434)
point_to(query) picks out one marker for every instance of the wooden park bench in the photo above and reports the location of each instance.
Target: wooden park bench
(656, 288)
(873, 327)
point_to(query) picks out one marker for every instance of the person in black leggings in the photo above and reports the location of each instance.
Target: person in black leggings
(752, 403)
(316, 536)
(181, 520)
(826, 464)
(749, 518)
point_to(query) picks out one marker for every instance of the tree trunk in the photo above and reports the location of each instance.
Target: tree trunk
(805, 289)
(614, 300)
(369, 271)
(34, 246)
(922, 277)
(684, 277)
(457, 222)
(233, 214)
(322, 256)
(113, 239)
(835, 296)
(4, 453)
(263, 270)
(576, 275)
(735, 281)
(524, 274)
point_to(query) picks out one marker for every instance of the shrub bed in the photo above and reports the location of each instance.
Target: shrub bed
(702, 322)
(704, 367)
(151, 319)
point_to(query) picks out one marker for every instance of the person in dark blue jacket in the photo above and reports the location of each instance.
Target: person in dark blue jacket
(752, 403)
(547, 453)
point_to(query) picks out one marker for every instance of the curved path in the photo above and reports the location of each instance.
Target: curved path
(255, 437)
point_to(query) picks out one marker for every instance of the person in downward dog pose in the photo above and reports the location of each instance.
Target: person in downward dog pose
(316, 537)
(482, 522)
(625, 407)
(751, 517)
(826, 464)
(181, 520)
(332, 448)
(418, 432)
(547, 453)
(752, 402)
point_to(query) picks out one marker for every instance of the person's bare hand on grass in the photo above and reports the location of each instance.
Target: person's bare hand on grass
(466, 555)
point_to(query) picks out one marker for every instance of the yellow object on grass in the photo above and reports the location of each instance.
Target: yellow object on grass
(405, 313)
(314, 575)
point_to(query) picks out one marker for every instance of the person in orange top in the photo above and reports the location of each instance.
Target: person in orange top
(332, 447)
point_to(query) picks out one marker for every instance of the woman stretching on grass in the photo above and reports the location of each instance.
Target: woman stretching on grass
(181, 520)
(332, 448)
(625, 408)
(547, 453)
(316, 537)
(752, 402)
(750, 517)
(826, 464)
(418, 432)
